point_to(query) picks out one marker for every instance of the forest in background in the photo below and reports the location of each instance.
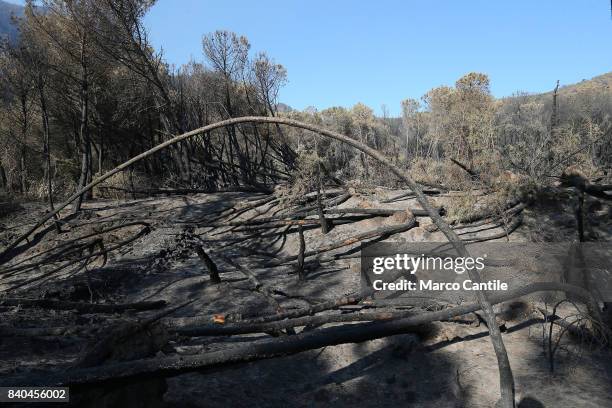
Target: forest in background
(83, 90)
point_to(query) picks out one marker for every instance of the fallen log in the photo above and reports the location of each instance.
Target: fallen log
(81, 307)
(409, 194)
(512, 211)
(269, 223)
(474, 175)
(483, 217)
(257, 285)
(327, 203)
(263, 349)
(382, 231)
(508, 229)
(417, 212)
(6, 332)
(600, 191)
(184, 191)
(274, 222)
(245, 328)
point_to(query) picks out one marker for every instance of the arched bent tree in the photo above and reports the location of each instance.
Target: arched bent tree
(505, 373)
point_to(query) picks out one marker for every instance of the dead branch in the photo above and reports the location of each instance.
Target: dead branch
(82, 307)
(103, 252)
(275, 222)
(474, 175)
(409, 315)
(183, 191)
(409, 194)
(9, 331)
(60, 250)
(417, 212)
(257, 285)
(382, 231)
(213, 272)
(578, 331)
(508, 229)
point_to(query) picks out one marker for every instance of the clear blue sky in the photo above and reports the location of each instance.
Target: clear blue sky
(339, 52)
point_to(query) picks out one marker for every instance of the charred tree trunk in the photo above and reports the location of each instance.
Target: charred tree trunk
(580, 215)
(85, 147)
(23, 178)
(210, 265)
(300, 257)
(554, 123)
(46, 147)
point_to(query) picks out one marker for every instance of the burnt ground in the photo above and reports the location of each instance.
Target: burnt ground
(443, 365)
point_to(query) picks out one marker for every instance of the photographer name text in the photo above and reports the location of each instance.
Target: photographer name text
(406, 285)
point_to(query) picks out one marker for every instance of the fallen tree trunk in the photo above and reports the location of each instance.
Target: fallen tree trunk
(488, 213)
(510, 212)
(257, 285)
(183, 191)
(474, 175)
(382, 231)
(319, 307)
(409, 194)
(484, 216)
(417, 212)
(82, 307)
(508, 229)
(273, 222)
(409, 315)
(262, 349)
(505, 371)
(599, 191)
(6, 332)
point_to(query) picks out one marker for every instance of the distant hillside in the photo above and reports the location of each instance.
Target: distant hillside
(7, 28)
(599, 83)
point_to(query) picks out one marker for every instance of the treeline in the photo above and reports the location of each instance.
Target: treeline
(83, 90)
(461, 134)
(535, 136)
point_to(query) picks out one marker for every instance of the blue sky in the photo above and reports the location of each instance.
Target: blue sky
(339, 52)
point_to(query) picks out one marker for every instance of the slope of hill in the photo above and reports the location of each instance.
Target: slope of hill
(7, 11)
(601, 82)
